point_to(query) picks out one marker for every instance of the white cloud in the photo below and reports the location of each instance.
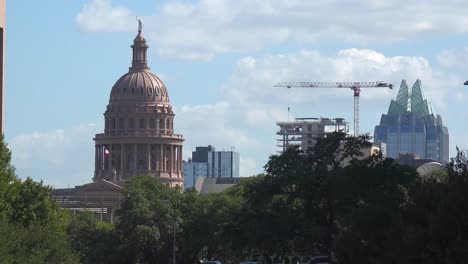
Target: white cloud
(453, 59)
(101, 16)
(57, 157)
(248, 167)
(205, 28)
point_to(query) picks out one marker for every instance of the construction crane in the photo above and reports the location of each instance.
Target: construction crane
(355, 86)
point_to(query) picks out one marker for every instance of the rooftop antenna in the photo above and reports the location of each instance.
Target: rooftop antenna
(288, 113)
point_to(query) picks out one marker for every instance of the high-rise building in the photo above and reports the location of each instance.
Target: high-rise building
(412, 127)
(2, 63)
(207, 162)
(193, 170)
(139, 136)
(304, 132)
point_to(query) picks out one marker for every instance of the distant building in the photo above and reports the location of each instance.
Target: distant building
(304, 132)
(208, 162)
(423, 166)
(139, 137)
(102, 198)
(206, 185)
(411, 126)
(193, 170)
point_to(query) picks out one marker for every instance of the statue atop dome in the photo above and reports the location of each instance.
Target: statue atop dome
(140, 24)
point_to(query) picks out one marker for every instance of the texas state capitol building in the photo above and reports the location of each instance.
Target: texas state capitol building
(139, 136)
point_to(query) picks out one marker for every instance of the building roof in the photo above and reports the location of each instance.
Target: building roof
(410, 100)
(207, 185)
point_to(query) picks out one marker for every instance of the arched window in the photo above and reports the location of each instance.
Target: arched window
(152, 123)
(142, 123)
(131, 123)
(168, 125)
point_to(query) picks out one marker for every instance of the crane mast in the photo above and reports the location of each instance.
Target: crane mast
(355, 86)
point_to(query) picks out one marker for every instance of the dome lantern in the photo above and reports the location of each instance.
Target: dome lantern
(139, 62)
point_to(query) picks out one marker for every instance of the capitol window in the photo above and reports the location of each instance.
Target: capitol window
(152, 123)
(142, 123)
(131, 123)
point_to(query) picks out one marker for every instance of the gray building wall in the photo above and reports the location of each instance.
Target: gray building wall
(207, 162)
(223, 164)
(193, 170)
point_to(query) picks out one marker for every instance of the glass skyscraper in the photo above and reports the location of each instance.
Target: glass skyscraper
(208, 162)
(411, 126)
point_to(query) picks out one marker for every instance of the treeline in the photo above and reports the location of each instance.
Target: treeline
(329, 201)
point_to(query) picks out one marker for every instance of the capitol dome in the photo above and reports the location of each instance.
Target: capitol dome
(139, 86)
(139, 136)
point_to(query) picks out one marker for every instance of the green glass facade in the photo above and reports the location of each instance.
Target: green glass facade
(410, 126)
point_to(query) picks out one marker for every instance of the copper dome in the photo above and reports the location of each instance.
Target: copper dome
(139, 86)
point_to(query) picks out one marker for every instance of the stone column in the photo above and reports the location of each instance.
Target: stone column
(121, 158)
(95, 157)
(135, 159)
(148, 153)
(180, 159)
(173, 163)
(109, 159)
(161, 157)
(99, 157)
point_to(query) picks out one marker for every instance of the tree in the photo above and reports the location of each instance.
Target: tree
(95, 241)
(147, 216)
(31, 224)
(7, 179)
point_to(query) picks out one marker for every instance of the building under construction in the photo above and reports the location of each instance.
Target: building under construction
(304, 132)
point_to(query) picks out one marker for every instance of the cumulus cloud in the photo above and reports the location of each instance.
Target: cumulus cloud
(253, 78)
(202, 29)
(248, 166)
(57, 157)
(101, 16)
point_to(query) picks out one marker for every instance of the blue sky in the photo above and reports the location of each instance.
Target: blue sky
(219, 60)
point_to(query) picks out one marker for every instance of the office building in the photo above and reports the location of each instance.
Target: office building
(207, 162)
(193, 170)
(412, 127)
(304, 132)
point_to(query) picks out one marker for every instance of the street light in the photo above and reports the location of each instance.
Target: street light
(173, 230)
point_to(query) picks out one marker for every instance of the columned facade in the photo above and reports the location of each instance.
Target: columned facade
(138, 136)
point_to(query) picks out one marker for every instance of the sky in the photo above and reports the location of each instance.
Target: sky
(220, 60)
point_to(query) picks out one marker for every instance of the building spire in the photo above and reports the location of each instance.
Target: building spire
(139, 62)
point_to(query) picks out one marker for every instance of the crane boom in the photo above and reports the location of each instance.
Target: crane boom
(350, 85)
(355, 86)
